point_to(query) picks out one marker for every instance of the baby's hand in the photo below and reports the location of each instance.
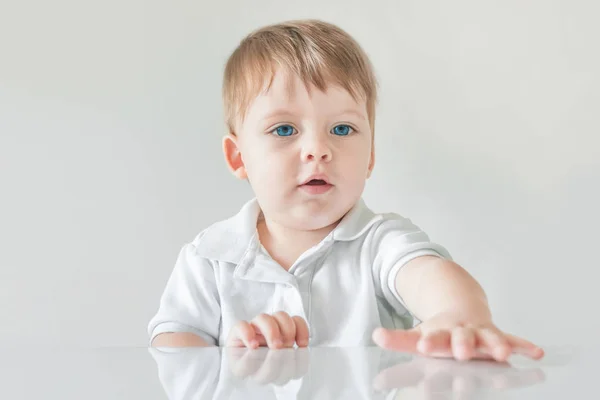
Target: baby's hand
(447, 336)
(275, 331)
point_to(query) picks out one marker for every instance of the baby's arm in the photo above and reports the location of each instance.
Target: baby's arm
(457, 321)
(275, 331)
(189, 310)
(430, 285)
(179, 339)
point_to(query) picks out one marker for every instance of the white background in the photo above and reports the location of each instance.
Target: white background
(487, 137)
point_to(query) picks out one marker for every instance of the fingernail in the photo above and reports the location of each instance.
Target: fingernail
(254, 343)
(277, 343)
(378, 335)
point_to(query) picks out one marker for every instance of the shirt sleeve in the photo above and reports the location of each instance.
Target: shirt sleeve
(190, 301)
(396, 241)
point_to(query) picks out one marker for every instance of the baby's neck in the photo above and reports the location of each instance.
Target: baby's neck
(286, 245)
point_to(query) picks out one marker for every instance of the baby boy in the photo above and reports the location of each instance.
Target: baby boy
(306, 262)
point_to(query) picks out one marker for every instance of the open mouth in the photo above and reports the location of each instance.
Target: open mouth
(316, 186)
(316, 182)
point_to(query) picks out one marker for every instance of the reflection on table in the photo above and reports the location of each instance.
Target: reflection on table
(332, 373)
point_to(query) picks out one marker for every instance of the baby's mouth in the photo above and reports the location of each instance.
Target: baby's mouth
(316, 182)
(316, 186)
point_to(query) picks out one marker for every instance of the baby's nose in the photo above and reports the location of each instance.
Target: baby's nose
(317, 150)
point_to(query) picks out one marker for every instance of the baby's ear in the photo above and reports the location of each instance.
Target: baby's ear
(233, 157)
(371, 163)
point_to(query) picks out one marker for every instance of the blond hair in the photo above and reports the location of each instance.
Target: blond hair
(318, 52)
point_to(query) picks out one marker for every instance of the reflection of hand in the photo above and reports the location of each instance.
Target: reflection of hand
(445, 335)
(428, 376)
(265, 366)
(275, 331)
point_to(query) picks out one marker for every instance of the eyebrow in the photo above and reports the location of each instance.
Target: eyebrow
(283, 111)
(277, 113)
(353, 112)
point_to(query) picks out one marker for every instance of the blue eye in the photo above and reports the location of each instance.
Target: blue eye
(342, 130)
(284, 130)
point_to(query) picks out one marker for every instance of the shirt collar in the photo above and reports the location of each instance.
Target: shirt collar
(355, 223)
(232, 239)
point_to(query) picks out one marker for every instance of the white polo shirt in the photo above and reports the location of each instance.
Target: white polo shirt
(344, 287)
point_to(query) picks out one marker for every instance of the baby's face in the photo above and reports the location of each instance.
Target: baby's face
(306, 156)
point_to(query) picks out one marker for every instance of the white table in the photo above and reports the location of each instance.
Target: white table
(315, 373)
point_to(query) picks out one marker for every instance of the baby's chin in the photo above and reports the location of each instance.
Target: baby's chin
(313, 225)
(307, 215)
(310, 220)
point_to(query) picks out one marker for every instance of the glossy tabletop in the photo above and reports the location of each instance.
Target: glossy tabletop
(313, 373)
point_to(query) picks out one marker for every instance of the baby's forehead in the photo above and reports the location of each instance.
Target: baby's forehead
(286, 88)
(288, 84)
(301, 99)
(281, 90)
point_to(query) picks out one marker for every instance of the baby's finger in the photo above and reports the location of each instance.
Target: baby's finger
(243, 335)
(267, 326)
(404, 341)
(494, 342)
(463, 343)
(434, 342)
(524, 347)
(287, 327)
(301, 331)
